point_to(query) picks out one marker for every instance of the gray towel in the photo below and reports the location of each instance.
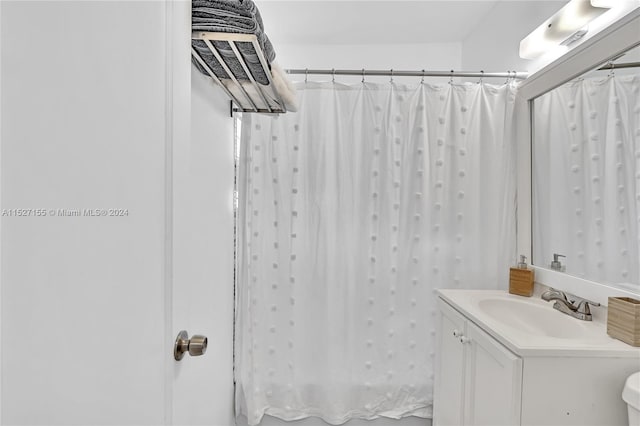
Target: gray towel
(229, 16)
(247, 9)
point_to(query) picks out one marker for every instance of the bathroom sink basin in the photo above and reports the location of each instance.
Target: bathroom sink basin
(529, 326)
(533, 318)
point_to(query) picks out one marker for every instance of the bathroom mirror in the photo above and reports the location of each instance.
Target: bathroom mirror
(586, 174)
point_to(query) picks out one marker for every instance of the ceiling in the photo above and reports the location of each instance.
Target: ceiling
(371, 22)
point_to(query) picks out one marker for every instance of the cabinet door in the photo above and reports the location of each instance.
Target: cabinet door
(448, 403)
(493, 381)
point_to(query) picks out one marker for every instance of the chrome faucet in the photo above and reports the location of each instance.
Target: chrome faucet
(573, 306)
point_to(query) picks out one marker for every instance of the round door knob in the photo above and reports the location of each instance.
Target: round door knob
(464, 340)
(196, 346)
(456, 333)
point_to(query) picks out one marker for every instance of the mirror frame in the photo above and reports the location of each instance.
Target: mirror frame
(619, 37)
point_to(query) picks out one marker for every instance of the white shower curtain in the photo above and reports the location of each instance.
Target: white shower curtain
(587, 178)
(351, 212)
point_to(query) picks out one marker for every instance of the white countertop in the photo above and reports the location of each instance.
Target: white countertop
(567, 336)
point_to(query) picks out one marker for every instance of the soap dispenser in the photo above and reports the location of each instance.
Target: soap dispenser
(521, 279)
(556, 265)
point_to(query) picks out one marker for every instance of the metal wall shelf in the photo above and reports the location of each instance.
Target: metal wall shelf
(242, 87)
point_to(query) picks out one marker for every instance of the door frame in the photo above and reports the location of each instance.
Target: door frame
(177, 127)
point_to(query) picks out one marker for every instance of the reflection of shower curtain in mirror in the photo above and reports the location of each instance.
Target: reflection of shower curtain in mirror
(351, 212)
(587, 178)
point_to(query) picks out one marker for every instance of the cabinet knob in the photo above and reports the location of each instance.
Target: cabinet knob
(464, 340)
(456, 333)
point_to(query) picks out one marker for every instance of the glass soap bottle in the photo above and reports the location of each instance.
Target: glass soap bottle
(521, 279)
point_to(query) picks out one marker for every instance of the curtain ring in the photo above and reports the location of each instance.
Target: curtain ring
(451, 77)
(306, 74)
(611, 67)
(391, 78)
(422, 78)
(333, 75)
(508, 77)
(363, 75)
(481, 77)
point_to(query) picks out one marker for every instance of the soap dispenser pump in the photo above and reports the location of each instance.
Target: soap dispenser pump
(521, 278)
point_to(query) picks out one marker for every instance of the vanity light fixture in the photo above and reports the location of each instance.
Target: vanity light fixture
(611, 3)
(563, 28)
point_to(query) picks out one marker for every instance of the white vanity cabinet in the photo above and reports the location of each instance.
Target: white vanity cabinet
(478, 380)
(532, 367)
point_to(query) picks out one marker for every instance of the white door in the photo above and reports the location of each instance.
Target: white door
(115, 232)
(493, 381)
(449, 383)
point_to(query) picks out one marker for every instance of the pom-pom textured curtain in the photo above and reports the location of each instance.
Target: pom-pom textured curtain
(351, 213)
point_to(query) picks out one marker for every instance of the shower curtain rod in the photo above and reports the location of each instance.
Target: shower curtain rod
(621, 65)
(401, 73)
